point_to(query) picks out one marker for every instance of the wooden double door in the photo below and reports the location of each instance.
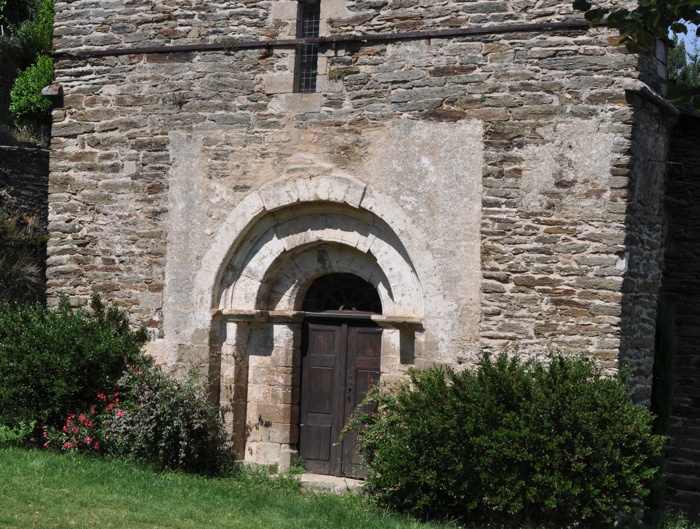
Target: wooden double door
(340, 362)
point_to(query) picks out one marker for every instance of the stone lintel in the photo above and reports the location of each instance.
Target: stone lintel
(284, 316)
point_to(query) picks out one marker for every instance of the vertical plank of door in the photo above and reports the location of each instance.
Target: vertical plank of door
(363, 370)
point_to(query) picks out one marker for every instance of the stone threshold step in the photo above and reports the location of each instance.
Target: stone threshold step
(330, 483)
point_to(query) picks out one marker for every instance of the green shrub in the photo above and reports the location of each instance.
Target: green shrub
(14, 436)
(166, 422)
(54, 361)
(552, 444)
(27, 104)
(21, 258)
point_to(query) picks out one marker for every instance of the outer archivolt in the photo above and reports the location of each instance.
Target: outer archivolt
(276, 265)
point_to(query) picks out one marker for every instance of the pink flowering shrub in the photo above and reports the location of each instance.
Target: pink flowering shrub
(166, 422)
(82, 431)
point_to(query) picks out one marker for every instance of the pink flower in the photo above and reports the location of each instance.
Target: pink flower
(96, 446)
(119, 413)
(82, 418)
(88, 440)
(46, 444)
(67, 445)
(65, 429)
(102, 397)
(92, 409)
(88, 424)
(43, 434)
(110, 406)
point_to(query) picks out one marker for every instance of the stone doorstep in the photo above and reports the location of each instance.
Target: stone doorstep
(336, 485)
(317, 482)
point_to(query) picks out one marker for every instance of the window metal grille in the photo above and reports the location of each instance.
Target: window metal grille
(308, 19)
(345, 292)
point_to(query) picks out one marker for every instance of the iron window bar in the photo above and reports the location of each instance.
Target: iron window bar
(306, 67)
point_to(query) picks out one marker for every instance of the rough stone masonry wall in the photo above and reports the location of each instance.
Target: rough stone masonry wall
(682, 290)
(644, 242)
(556, 148)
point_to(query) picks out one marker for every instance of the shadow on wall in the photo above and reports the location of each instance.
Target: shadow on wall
(681, 285)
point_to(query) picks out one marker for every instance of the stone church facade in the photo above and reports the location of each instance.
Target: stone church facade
(458, 175)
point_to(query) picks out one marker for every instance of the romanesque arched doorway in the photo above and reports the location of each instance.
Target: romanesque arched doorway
(268, 268)
(341, 361)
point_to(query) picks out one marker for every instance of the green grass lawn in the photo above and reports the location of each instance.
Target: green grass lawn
(47, 490)
(40, 489)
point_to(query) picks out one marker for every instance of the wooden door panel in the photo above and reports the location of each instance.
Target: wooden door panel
(369, 343)
(318, 439)
(321, 409)
(363, 370)
(365, 380)
(320, 390)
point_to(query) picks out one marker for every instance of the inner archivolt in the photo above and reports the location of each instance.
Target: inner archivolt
(344, 292)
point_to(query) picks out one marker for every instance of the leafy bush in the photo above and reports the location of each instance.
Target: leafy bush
(14, 436)
(21, 270)
(556, 443)
(166, 422)
(27, 103)
(28, 32)
(54, 361)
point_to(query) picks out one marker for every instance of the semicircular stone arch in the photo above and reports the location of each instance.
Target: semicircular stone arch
(287, 194)
(287, 249)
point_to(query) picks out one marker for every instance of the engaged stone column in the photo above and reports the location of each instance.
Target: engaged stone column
(233, 380)
(273, 393)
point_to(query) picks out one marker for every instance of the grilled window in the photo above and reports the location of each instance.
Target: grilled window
(308, 18)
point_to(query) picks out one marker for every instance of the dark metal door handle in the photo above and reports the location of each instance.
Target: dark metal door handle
(350, 388)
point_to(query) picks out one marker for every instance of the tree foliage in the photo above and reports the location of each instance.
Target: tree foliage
(14, 12)
(28, 29)
(651, 20)
(35, 33)
(643, 25)
(683, 67)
